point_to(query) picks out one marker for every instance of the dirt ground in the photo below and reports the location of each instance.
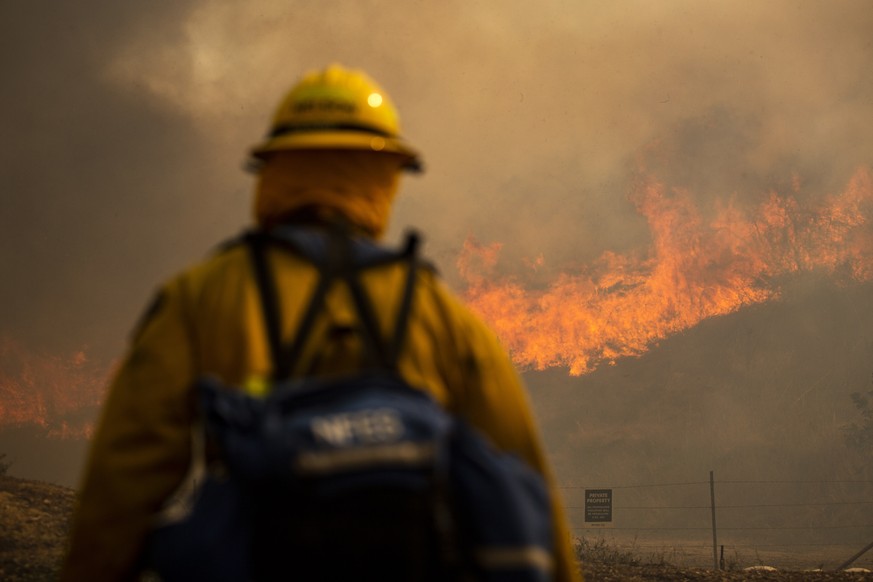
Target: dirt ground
(34, 522)
(603, 572)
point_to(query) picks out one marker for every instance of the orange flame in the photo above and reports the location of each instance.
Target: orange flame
(694, 269)
(58, 394)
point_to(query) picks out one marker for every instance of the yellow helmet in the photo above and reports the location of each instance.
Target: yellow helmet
(337, 108)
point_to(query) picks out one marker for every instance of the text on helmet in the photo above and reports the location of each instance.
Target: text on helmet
(324, 104)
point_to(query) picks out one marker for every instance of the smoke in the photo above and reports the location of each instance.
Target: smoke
(126, 125)
(94, 179)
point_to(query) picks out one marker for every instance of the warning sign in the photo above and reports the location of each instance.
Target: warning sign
(598, 506)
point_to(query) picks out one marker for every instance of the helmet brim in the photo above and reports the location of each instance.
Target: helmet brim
(340, 140)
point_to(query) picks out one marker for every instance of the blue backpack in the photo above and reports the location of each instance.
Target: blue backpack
(358, 477)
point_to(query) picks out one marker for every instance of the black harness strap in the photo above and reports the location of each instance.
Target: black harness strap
(379, 352)
(257, 243)
(289, 355)
(374, 345)
(410, 254)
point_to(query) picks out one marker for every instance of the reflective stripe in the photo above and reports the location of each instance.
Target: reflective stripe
(180, 503)
(504, 558)
(342, 459)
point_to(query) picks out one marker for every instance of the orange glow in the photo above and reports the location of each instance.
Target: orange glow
(694, 269)
(619, 306)
(58, 394)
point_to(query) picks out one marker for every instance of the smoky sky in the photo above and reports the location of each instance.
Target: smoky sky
(125, 126)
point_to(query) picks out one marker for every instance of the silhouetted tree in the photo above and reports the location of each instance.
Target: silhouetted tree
(859, 434)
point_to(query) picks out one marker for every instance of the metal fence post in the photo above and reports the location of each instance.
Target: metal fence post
(712, 505)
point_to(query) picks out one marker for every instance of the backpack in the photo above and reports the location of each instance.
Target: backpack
(357, 477)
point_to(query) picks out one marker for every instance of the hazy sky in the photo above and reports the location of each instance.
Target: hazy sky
(125, 126)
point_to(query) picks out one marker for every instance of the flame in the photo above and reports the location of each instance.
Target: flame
(60, 394)
(694, 269)
(619, 306)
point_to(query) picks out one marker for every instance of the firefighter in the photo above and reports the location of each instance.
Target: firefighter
(334, 153)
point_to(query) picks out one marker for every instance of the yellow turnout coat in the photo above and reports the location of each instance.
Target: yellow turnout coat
(208, 320)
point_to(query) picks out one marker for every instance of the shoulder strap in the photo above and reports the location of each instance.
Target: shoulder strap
(339, 264)
(410, 254)
(257, 243)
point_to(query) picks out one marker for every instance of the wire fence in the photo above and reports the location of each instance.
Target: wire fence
(795, 524)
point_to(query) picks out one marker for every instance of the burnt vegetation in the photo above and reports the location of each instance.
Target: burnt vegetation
(859, 433)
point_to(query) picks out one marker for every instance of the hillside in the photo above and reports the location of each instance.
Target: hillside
(34, 518)
(761, 392)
